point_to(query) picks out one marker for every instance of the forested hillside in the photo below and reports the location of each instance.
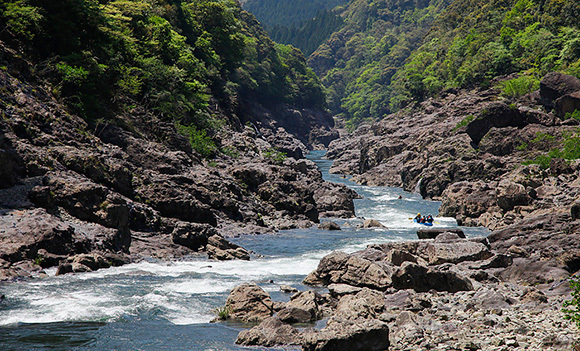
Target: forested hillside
(288, 13)
(152, 129)
(303, 24)
(310, 34)
(173, 57)
(391, 53)
(358, 62)
(473, 42)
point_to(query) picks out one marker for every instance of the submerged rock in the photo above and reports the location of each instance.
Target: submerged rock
(329, 226)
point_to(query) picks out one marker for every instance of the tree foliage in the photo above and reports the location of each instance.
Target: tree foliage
(472, 42)
(170, 56)
(392, 53)
(357, 64)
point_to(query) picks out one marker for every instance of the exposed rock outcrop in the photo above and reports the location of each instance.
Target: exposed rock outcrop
(343, 333)
(249, 303)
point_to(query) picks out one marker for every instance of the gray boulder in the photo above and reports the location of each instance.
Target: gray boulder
(249, 303)
(347, 334)
(423, 279)
(271, 332)
(221, 249)
(555, 85)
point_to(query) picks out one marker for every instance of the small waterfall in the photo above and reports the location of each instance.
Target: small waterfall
(418, 186)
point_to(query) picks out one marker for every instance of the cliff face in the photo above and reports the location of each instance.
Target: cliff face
(511, 165)
(129, 174)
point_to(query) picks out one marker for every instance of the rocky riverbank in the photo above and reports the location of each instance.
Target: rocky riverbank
(504, 292)
(134, 187)
(445, 293)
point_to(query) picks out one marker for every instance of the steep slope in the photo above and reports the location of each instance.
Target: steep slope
(472, 42)
(134, 129)
(358, 62)
(303, 24)
(288, 13)
(390, 53)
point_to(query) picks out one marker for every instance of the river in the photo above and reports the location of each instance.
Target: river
(158, 305)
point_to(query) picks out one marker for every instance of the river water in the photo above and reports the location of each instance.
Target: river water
(159, 305)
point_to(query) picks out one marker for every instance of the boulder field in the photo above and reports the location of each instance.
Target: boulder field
(477, 152)
(133, 186)
(447, 293)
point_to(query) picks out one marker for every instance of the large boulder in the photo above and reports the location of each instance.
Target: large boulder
(555, 85)
(457, 251)
(334, 200)
(423, 279)
(329, 226)
(271, 332)
(92, 260)
(467, 199)
(372, 223)
(433, 233)
(568, 104)
(193, 235)
(302, 307)
(510, 194)
(221, 249)
(339, 267)
(496, 114)
(575, 211)
(348, 334)
(24, 233)
(366, 303)
(249, 303)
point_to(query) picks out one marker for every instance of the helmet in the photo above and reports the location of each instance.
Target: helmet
(418, 214)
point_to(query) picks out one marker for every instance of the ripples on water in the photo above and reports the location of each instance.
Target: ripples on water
(168, 305)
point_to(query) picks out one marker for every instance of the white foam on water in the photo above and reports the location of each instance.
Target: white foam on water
(47, 306)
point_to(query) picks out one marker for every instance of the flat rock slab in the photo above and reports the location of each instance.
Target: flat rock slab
(432, 233)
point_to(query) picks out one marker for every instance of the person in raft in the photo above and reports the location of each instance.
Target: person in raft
(429, 218)
(418, 218)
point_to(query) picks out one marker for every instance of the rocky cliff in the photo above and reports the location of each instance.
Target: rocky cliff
(133, 186)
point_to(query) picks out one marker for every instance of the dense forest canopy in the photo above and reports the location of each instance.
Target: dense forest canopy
(390, 53)
(308, 35)
(358, 62)
(171, 56)
(473, 42)
(305, 24)
(288, 13)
